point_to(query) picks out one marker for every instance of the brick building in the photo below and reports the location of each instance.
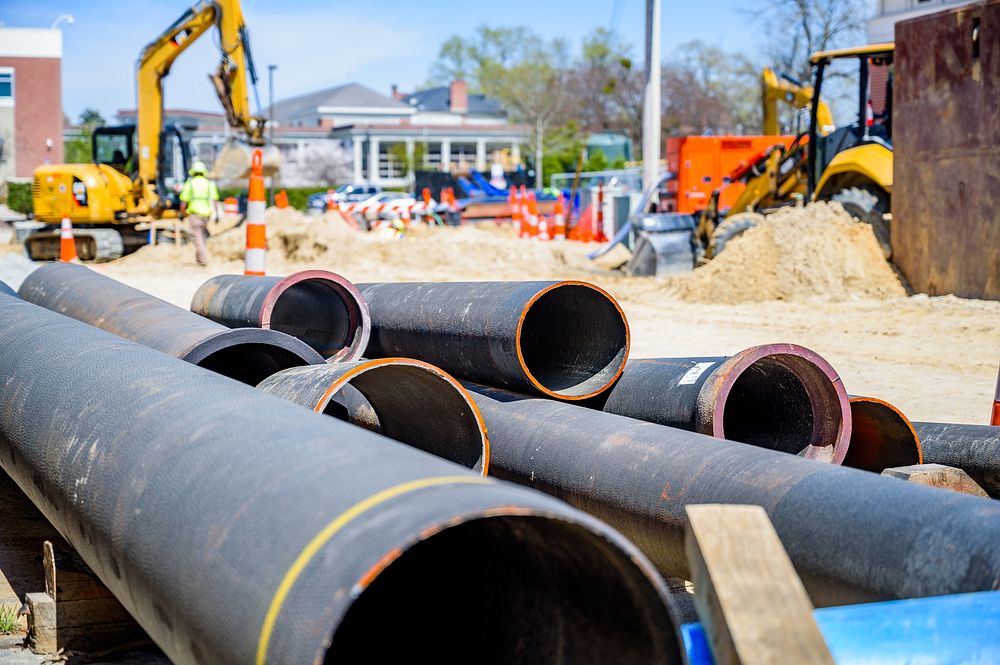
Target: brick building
(31, 120)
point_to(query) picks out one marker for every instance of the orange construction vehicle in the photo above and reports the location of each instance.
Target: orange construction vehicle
(702, 164)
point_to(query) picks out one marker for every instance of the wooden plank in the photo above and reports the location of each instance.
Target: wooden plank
(937, 475)
(752, 604)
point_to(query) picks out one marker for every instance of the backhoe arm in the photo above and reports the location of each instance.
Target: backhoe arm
(785, 89)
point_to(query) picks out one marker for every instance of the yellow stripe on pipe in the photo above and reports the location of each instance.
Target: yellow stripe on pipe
(328, 532)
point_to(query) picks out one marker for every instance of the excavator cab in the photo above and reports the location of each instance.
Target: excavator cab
(115, 147)
(853, 164)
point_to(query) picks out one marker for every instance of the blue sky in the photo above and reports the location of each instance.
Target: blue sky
(316, 44)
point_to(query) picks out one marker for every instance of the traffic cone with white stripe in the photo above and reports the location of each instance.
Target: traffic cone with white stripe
(514, 201)
(559, 220)
(67, 245)
(532, 215)
(256, 251)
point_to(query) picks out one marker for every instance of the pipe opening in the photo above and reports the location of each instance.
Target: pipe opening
(250, 363)
(783, 402)
(508, 589)
(323, 314)
(417, 406)
(573, 341)
(881, 437)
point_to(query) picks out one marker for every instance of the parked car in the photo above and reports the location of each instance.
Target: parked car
(319, 201)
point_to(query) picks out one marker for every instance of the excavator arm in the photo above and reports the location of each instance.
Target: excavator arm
(783, 88)
(230, 81)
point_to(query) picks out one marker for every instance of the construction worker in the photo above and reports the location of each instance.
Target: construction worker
(198, 198)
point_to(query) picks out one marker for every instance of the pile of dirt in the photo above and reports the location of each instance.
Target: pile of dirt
(817, 251)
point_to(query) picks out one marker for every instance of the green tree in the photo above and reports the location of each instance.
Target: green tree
(483, 57)
(78, 150)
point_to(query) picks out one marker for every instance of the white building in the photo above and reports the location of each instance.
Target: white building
(882, 26)
(455, 129)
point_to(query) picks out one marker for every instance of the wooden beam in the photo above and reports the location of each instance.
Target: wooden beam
(751, 602)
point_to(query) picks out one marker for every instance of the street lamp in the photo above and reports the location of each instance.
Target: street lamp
(63, 17)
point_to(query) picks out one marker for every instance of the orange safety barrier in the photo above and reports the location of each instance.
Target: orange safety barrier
(256, 247)
(331, 204)
(67, 245)
(281, 199)
(231, 206)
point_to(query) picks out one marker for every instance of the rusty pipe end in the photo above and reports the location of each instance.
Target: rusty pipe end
(250, 355)
(780, 396)
(881, 436)
(572, 340)
(407, 400)
(580, 575)
(321, 308)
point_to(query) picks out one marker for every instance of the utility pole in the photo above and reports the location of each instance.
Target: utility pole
(270, 120)
(651, 98)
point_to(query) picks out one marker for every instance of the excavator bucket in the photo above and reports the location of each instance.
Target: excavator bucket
(233, 161)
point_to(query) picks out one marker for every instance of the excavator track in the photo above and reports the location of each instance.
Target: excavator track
(96, 245)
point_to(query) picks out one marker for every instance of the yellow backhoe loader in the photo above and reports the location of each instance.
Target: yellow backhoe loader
(849, 163)
(137, 169)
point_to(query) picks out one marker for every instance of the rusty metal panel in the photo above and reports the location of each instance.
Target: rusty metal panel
(946, 198)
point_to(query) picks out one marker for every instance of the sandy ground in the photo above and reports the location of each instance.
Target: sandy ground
(935, 358)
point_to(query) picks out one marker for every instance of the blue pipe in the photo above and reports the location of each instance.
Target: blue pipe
(962, 629)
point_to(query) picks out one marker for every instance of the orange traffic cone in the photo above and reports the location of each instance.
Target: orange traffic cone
(559, 220)
(67, 246)
(532, 215)
(331, 205)
(515, 211)
(256, 250)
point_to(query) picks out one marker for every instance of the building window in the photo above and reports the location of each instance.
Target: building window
(6, 85)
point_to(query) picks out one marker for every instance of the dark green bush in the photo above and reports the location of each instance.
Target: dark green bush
(19, 197)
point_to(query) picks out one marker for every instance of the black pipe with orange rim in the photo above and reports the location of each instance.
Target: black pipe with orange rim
(882, 436)
(407, 400)
(852, 536)
(973, 448)
(319, 307)
(779, 396)
(248, 355)
(566, 340)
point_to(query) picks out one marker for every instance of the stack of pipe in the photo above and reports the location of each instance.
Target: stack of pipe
(546, 374)
(239, 528)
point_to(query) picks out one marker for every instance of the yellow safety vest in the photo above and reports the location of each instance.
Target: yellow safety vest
(198, 193)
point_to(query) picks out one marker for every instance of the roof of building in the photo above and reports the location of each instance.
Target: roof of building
(349, 95)
(439, 100)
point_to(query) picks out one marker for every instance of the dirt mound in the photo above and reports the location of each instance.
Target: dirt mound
(817, 251)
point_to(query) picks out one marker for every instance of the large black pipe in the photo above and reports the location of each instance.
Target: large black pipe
(239, 528)
(319, 307)
(973, 448)
(567, 340)
(778, 396)
(853, 536)
(882, 436)
(407, 400)
(246, 354)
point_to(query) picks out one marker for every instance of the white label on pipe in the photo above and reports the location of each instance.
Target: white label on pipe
(692, 374)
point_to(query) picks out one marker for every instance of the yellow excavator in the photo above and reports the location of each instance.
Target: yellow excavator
(137, 169)
(850, 163)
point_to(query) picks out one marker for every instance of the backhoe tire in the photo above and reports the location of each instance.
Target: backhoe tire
(731, 227)
(868, 205)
